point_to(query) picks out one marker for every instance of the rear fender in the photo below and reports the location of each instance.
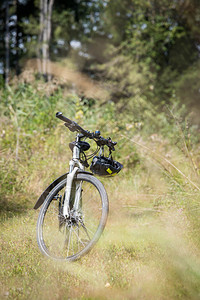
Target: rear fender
(52, 185)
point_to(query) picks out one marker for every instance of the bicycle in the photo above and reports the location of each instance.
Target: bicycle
(75, 206)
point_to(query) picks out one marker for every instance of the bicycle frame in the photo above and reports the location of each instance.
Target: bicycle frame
(75, 165)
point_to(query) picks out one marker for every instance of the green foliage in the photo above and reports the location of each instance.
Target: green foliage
(151, 51)
(150, 64)
(29, 108)
(151, 243)
(146, 49)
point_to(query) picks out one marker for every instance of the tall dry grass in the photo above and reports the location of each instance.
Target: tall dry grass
(150, 246)
(149, 250)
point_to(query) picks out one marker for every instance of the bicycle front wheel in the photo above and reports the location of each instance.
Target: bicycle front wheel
(70, 239)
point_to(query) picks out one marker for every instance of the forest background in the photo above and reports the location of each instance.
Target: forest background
(130, 69)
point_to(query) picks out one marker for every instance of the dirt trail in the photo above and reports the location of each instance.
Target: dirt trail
(79, 82)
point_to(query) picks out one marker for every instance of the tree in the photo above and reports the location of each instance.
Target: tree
(7, 44)
(15, 36)
(153, 44)
(44, 36)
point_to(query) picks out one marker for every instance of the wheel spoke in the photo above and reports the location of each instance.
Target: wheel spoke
(69, 240)
(67, 237)
(85, 230)
(79, 238)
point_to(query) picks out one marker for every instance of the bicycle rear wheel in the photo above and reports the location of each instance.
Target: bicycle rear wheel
(70, 239)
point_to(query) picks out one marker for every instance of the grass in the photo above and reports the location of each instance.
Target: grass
(150, 246)
(146, 257)
(149, 250)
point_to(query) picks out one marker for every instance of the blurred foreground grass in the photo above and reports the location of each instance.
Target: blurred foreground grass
(146, 252)
(150, 247)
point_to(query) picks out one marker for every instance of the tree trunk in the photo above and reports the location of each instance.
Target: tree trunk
(40, 39)
(44, 37)
(7, 46)
(44, 41)
(49, 37)
(17, 38)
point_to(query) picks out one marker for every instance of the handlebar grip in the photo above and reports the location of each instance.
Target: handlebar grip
(60, 116)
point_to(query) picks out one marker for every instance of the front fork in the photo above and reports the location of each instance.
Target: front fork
(68, 190)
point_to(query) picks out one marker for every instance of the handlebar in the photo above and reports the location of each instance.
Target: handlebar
(73, 126)
(63, 118)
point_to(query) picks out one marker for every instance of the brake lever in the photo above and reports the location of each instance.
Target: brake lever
(71, 127)
(111, 144)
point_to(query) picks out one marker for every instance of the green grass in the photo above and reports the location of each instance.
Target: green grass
(143, 254)
(150, 248)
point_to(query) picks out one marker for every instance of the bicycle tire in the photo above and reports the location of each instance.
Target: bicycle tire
(95, 208)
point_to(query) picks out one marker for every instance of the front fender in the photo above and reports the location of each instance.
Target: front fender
(51, 186)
